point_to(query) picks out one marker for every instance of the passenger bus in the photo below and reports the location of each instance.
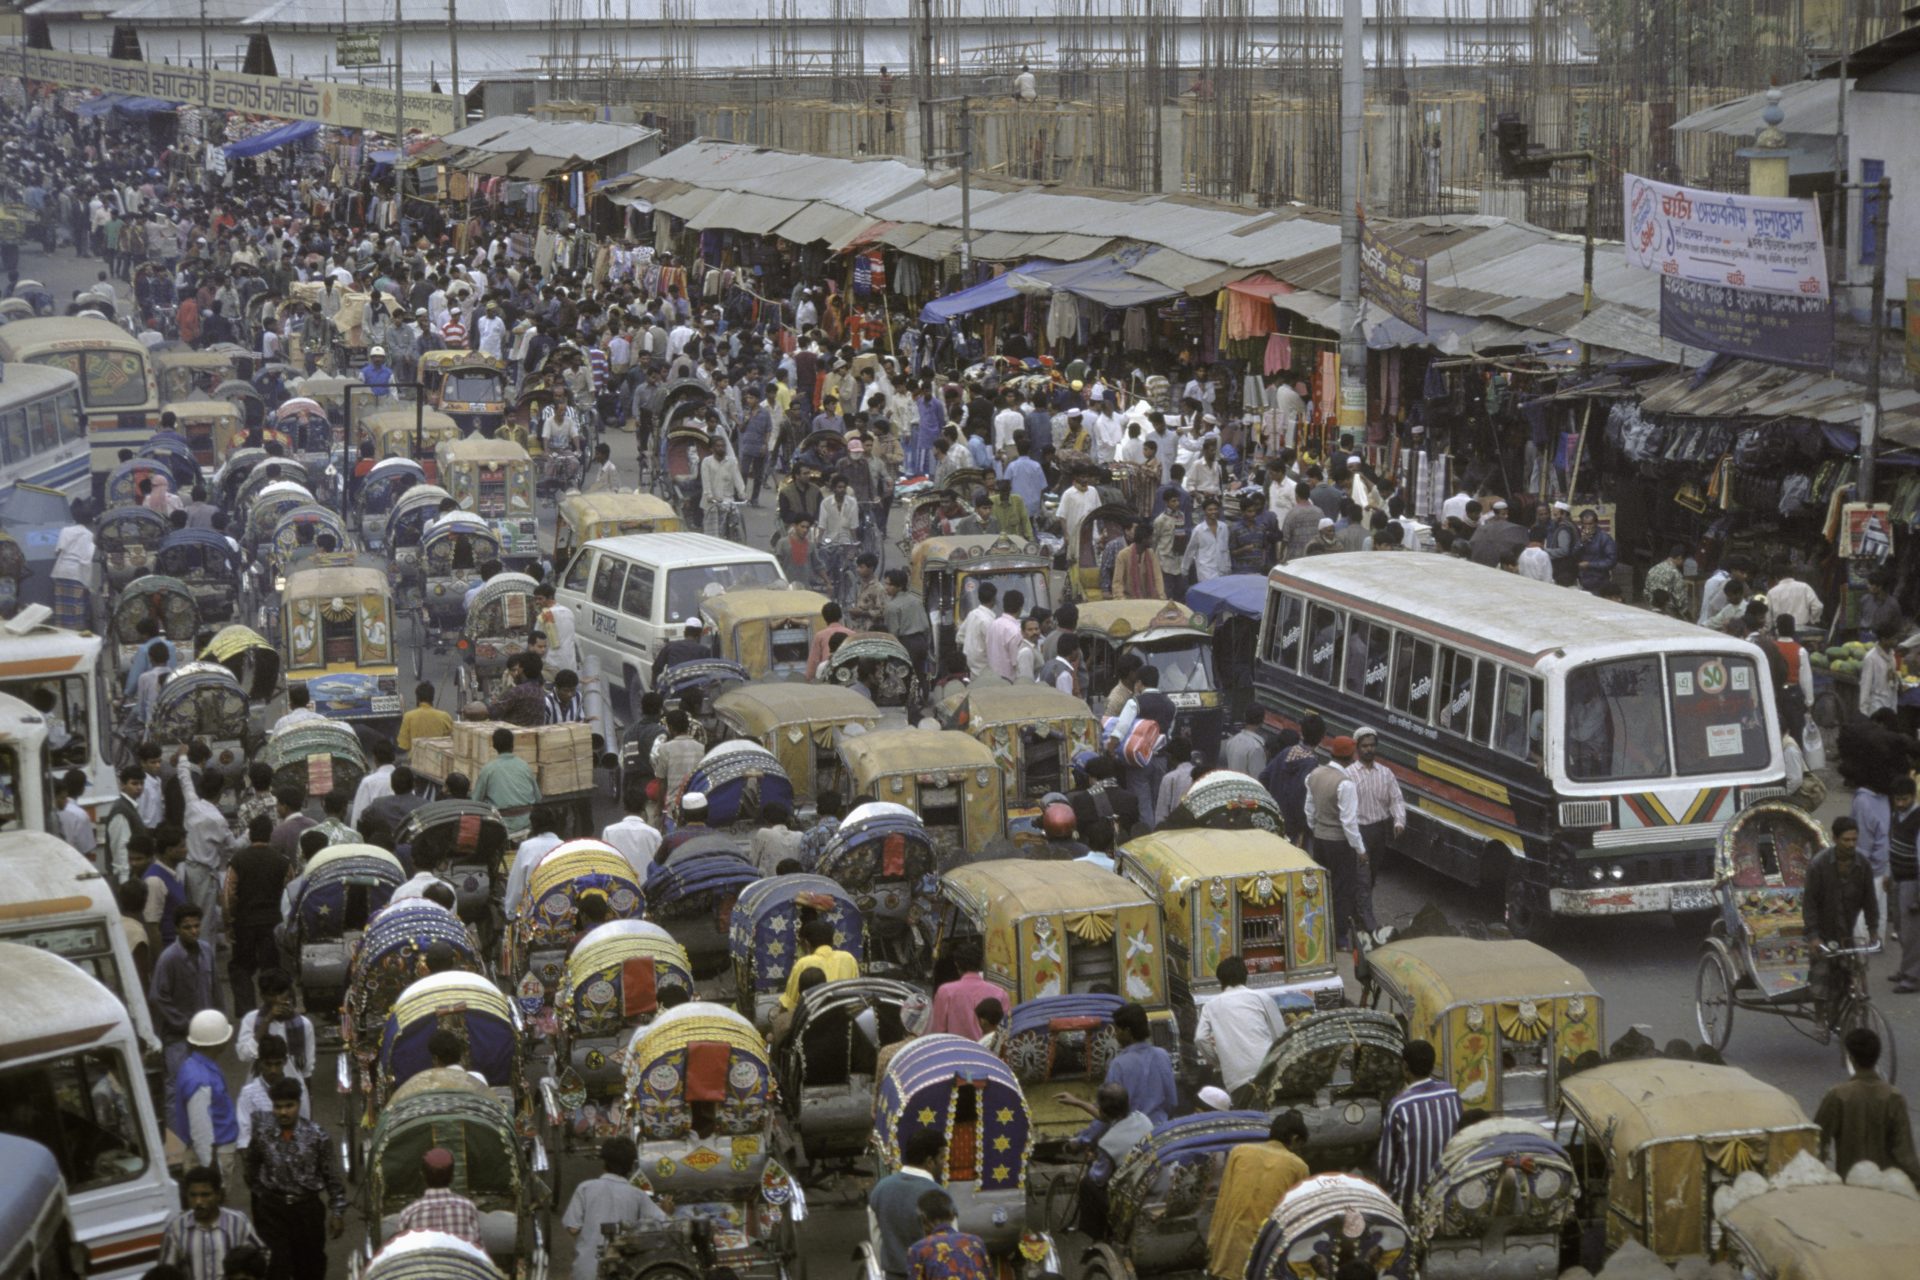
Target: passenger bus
(118, 391)
(43, 432)
(71, 1080)
(1576, 756)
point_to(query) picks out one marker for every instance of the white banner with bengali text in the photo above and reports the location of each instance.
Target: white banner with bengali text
(1770, 243)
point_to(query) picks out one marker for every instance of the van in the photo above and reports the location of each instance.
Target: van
(53, 899)
(71, 1080)
(630, 595)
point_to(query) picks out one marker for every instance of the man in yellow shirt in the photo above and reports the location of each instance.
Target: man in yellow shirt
(1257, 1175)
(425, 720)
(817, 935)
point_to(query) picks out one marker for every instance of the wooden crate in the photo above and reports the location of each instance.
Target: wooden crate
(562, 777)
(566, 742)
(432, 758)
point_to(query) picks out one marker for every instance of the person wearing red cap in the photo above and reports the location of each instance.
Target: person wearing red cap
(1333, 819)
(440, 1208)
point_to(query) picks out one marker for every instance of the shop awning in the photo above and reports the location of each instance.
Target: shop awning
(261, 143)
(124, 103)
(985, 294)
(1242, 595)
(1103, 280)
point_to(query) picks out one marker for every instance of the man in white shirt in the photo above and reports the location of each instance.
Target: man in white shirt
(376, 784)
(298, 709)
(636, 839)
(609, 1200)
(1238, 1025)
(974, 629)
(1535, 563)
(1076, 504)
(1797, 599)
(493, 333)
(839, 516)
(677, 339)
(539, 844)
(1105, 430)
(1208, 555)
(1455, 508)
(720, 481)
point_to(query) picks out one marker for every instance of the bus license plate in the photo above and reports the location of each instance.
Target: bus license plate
(1689, 898)
(386, 702)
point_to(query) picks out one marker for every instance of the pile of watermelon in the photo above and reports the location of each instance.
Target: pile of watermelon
(1841, 659)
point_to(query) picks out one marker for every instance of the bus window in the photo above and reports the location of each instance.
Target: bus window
(72, 425)
(43, 427)
(115, 379)
(1718, 719)
(1516, 726)
(1413, 678)
(1456, 690)
(81, 1108)
(1323, 644)
(1284, 613)
(1616, 721)
(1485, 690)
(13, 435)
(1368, 648)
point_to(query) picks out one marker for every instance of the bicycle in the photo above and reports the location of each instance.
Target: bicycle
(836, 562)
(732, 526)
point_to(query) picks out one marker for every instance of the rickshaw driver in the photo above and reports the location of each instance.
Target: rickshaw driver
(378, 374)
(821, 954)
(1838, 890)
(1257, 1177)
(1117, 1126)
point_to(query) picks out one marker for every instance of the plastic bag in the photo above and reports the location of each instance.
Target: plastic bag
(1813, 745)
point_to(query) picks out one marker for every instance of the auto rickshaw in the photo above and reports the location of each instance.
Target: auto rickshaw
(545, 923)
(495, 631)
(1328, 1220)
(882, 856)
(213, 428)
(467, 386)
(956, 1088)
(801, 724)
(951, 780)
(316, 756)
(1652, 1139)
(1245, 893)
(208, 564)
(492, 1170)
(693, 894)
(471, 1007)
(827, 1069)
(404, 527)
(1174, 641)
(702, 1105)
(452, 549)
(1832, 1232)
(764, 935)
(1226, 801)
(1060, 929)
(1502, 1015)
(128, 538)
(882, 664)
(168, 602)
(473, 839)
(343, 887)
(204, 701)
(1161, 1196)
(404, 433)
(582, 517)
(379, 492)
(767, 630)
(1496, 1204)
(339, 638)
(610, 987)
(494, 480)
(1099, 527)
(1339, 1068)
(1034, 732)
(185, 374)
(947, 572)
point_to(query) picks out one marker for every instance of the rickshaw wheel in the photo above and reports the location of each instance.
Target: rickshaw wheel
(1861, 1012)
(1103, 1262)
(1713, 1002)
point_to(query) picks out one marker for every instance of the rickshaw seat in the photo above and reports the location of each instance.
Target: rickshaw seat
(1075, 1024)
(1776, 943)
(827, 1046)
(467, 837)
(638, 986)
(707, 1070)
(893, 856)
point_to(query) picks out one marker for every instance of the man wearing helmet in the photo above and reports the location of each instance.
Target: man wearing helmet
(378, 374)
(201, 1112)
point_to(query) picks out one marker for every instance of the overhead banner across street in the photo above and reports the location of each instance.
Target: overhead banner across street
(1393, 279)
(1710, 237)
(347, 106)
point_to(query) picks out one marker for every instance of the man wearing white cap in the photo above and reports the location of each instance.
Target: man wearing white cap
(1563, 540)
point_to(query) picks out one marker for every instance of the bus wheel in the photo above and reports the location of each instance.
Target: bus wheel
(1526, 912)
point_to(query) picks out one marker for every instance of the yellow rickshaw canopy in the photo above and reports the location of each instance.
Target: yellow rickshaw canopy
(760, 709)
(432, 421)
(893, 751)
(442, 992)
(988, 705)
(690, 1023)
(452, 358)
(190, 410)
(1118, 619)
(1182, 858)
(729, 609)
(564, 863)
(1643, 1101)
(1438, 974)
(1007, 889)
(480, 449)
(1832, 1232)
(595, 954)
(957, 550)
(349, 581)
(584, 511)
(232, 641)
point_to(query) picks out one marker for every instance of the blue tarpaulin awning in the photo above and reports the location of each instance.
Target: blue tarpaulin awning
(1102, 280)
(1230, 595)
(285, 136)
(124, 103)
(985, 294)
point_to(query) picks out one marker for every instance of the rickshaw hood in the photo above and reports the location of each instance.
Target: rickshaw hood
(1444, 973)
(1644, 1101)
(1831, 1232)
(897, 751)
(760, 709)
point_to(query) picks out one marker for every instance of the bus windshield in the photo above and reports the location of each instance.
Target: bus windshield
(1619, 713)
(81, 1108)
(1185, 666)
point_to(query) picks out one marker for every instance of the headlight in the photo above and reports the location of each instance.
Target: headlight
(1617, 871)
(1596, 873)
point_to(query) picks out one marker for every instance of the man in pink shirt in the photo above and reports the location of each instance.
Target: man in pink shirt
(953, 1003)
(1003, 636)
(817, 651)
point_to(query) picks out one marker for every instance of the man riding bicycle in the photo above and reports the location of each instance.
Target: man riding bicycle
(722, 490)
(1838, 891)
(839, 533)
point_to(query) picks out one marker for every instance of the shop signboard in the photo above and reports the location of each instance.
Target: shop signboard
(1776, 327)
(357, 49)
(1397, 281)
(1866, 531)
(1769, 243)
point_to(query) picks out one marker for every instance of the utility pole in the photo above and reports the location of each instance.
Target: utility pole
(1876, 307)
(206, 72)
(1351, 404)
(925, 8)
(965, 156)
(453, 73)
(399, 91)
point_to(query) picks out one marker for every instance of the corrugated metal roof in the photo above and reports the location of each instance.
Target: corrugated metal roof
(587, 139)
(744, 211)
(1174, 269)
(902, 234)
(1750, 389)
(1619, 329)
(823, 221)
(688, 203)
(1070, 248)
(1812, 108)
(853, 184)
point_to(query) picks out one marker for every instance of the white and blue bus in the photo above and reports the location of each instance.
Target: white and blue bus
(43, 430)
(119, 393)
(1575, 756)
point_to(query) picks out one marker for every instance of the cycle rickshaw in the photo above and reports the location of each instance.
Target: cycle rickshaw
(545, 923)
(1496, 1204)
(1339, 1068)
(493, 632)
(204, 701)
(208, 564)
(471, 1007)
(692, 894)
(1160, 1200)
(167, 601)
(827, 1067)
(882, 664)
(451, 553)
(473, 839)
(343, 887)
(402, 528)
(127, 539)
(764, 935)
(315, 757)
(380, 491)
(1757, 957)
(884, 859)
(1329, 1220)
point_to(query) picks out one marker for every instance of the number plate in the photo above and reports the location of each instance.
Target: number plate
(1692, 899)
(386, 702)
(604, 623)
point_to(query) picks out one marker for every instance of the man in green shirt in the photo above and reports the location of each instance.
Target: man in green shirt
(507, 783)
(1009, 511)
(1667, 577)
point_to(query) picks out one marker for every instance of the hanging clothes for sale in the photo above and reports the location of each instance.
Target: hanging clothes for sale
(1133, 330)
(1063, 317)
(1278, 356)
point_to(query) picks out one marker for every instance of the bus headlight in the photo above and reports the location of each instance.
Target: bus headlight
(1596, 873)
(1617, 872)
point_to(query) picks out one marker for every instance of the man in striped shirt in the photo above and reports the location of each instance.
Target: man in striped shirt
(1419, 1121)
(199, 1240)
(1383, 809)
(454, 332)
